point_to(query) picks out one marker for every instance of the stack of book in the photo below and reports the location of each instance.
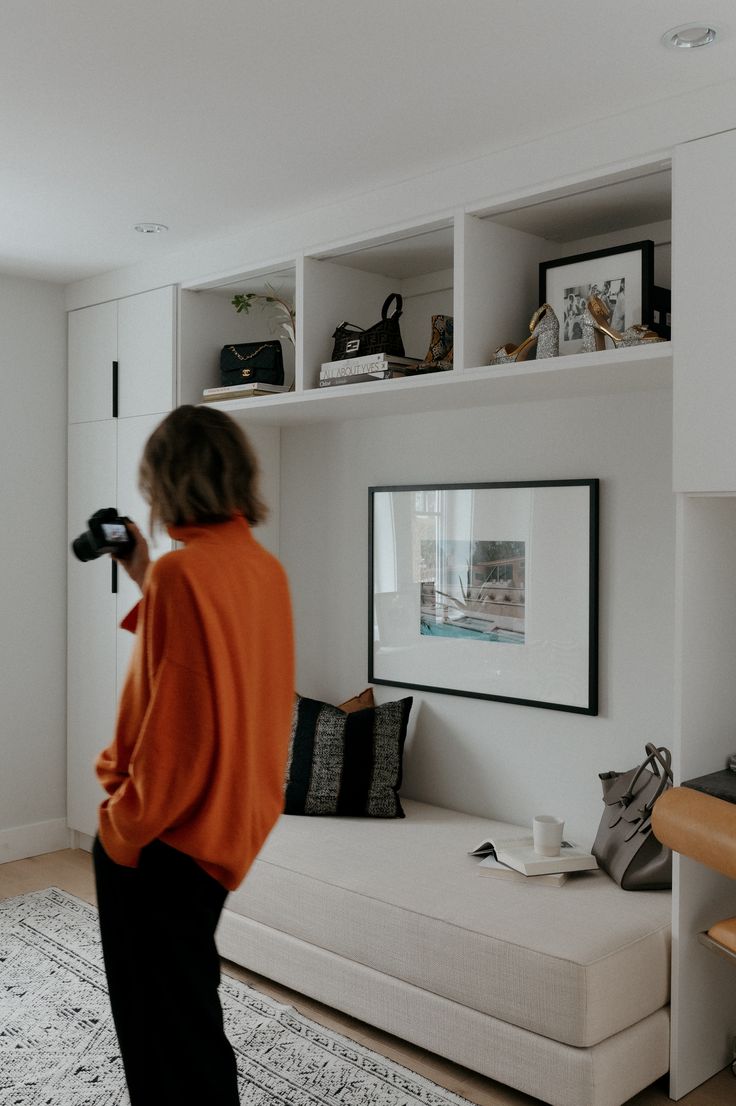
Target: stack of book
(374, 366)
(242, 391)
(514, 858)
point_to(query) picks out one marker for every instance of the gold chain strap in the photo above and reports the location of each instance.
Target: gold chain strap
(247, 372)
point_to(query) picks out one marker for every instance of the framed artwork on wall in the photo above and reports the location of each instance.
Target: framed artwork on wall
(623, 277)
(487, 590)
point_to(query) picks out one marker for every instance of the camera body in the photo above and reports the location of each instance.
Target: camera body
(107, 534)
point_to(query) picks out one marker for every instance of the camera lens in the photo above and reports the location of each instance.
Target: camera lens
(84, 548)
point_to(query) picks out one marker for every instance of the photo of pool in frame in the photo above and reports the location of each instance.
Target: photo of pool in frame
(487, 590)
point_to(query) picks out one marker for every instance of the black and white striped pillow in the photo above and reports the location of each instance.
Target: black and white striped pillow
(346, 764)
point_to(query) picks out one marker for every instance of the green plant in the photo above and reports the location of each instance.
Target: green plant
(286, 311)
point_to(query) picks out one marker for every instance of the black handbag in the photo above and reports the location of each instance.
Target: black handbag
(382, 337)
(252, 363)
(625, 846)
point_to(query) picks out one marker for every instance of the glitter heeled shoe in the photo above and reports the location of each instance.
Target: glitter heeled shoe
(544, 337)
(597, 327)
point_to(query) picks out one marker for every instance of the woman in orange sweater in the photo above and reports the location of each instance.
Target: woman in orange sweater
(195, 772)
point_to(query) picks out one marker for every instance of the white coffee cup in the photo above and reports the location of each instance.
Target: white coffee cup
(547, 832)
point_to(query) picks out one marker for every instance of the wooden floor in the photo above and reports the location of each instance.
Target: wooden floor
(71, 870)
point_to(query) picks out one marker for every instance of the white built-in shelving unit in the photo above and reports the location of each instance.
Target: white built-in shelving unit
(480, 264)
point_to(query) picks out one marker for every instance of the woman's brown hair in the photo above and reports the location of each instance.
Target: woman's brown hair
(198, 466)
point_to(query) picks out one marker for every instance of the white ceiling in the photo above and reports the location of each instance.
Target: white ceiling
(212, 115)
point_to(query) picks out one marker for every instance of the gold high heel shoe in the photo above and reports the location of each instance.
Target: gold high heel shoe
(544, 334)
(597, 327)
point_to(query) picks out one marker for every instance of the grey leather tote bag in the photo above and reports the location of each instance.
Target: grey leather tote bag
(625, 846)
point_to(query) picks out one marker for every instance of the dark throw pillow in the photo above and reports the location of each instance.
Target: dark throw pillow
(346, 763)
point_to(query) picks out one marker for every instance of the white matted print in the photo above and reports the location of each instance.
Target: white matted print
(622, 278)
(487, 590)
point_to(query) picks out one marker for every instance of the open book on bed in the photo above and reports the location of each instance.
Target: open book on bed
(516, 851)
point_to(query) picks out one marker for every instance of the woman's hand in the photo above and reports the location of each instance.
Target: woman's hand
(137, 563)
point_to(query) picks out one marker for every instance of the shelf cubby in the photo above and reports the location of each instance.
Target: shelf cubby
(505, 243)
(208, 321)
(349, 283)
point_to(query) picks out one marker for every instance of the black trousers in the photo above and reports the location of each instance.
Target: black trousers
(157, 924)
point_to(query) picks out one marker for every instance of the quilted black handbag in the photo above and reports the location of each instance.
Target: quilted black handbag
(382, 337)
(252, 363)
(625, 846)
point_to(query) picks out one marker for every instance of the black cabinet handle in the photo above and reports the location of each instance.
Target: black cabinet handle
(114, 581)
(114, 389)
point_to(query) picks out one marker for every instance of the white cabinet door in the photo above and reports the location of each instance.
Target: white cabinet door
(138, 334)
(93, 347)
(91, 690)
(146, 336)
(132, 436)
(704, 244)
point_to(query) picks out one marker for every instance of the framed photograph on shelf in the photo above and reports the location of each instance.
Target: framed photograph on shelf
(487, 590)
(623, 277)
(662, 312)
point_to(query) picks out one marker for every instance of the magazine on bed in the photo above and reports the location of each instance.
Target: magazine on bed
(517, 851)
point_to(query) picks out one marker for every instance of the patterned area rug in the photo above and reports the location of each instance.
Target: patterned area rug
(58, 1044)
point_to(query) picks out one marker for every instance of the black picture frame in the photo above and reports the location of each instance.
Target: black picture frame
(486, 590)
(662, 312)
(566, 282)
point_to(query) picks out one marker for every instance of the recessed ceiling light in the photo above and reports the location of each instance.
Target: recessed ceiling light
(689, 35)
(150, 228)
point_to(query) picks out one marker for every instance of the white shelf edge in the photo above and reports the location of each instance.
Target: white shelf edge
(639, 368)
(225, 280)
(396, 232)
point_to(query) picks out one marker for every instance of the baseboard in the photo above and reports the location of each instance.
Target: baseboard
(79, 840)
(20, 842)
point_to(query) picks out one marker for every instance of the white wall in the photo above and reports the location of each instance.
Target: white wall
(490, 758)
(33, 576)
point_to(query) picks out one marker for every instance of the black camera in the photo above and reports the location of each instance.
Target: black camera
(107, 534)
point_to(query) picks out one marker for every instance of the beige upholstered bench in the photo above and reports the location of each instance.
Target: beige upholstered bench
(561, 992)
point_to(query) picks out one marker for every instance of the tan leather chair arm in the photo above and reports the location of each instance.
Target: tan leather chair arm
(699, 826)
(724, 933)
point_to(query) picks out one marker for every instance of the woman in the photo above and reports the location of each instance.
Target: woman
(195, 772)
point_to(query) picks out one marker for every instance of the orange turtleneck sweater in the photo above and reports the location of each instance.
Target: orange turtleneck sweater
(202, 734)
